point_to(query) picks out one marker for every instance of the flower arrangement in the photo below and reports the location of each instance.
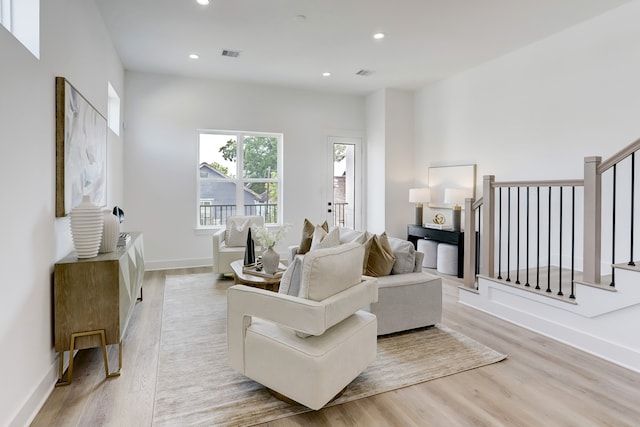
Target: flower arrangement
(268, 237)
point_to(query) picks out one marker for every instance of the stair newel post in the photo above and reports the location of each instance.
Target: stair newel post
(469, 245)
(488, 227)
(592, 219)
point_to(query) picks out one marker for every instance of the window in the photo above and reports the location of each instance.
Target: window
(5, 13)
(239, 175)
(22, 19)
(113, 109)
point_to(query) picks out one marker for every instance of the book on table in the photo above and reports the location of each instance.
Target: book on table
(258, 271)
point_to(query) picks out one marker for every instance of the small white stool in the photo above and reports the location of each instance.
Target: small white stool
(447, 260)
(430, 250)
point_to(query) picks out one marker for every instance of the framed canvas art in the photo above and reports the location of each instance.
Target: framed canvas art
(81, 150)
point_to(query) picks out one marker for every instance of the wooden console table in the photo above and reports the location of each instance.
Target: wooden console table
(415, 232)
(94, 299)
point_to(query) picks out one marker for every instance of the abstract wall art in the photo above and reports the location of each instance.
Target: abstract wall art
(81, 150)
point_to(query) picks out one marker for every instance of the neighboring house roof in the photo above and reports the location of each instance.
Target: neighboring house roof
(223, 192)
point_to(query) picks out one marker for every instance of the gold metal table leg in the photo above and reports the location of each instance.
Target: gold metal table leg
(103, 340)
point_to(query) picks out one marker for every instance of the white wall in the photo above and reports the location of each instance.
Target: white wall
(74, 44)
(399, 155)
(162, 116)
(376, 167)
(390, 166)
(537, 112)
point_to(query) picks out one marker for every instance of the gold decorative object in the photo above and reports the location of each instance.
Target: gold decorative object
(438, 219)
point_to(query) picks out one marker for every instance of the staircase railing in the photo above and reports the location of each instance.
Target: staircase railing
(512, 227)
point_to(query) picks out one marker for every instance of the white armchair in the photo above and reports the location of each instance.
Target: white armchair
(265, 329)
(229, 243)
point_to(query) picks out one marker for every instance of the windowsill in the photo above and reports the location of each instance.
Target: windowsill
(206, 231)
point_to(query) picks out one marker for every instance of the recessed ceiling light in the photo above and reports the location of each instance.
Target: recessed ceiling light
(378, 36)
(194, 56)
(202, 2)
(326, 74)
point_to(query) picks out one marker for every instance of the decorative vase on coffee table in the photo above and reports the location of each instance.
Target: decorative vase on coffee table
(87, 221)
(110, 233)
(270, 260)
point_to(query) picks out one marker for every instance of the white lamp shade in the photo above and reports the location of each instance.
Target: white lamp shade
(419, 195)
(456, 196)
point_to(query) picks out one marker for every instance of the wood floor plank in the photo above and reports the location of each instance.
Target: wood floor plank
(542, 382)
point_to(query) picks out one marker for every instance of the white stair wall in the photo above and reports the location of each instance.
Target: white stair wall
(604, 323)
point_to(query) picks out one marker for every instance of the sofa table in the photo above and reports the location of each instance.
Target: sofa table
(94, 299)
(416, 232)
(242, 278)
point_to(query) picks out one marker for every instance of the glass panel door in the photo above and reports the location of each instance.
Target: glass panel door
(344, 204)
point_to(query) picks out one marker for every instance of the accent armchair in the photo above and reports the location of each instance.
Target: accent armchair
(308, 347)
(229, 243)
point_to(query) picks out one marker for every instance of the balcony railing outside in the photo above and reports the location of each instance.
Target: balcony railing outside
(217, 214)
(212, 215)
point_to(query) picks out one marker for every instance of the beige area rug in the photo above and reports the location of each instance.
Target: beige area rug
(195, 386)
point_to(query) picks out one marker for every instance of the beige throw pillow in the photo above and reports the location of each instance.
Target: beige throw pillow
(307, 235)
(381, 259)
(237, 232)
(322, 240)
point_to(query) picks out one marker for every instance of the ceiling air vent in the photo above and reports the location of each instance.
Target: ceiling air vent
(231, 53)
(364, 72)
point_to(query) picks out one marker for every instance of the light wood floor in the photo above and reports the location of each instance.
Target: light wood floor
(542, 382)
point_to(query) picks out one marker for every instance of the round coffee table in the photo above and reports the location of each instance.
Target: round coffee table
(242, 278)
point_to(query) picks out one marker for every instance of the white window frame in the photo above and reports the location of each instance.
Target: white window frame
(113, 109)
(22, 19)
(5, 14)
(239, 180)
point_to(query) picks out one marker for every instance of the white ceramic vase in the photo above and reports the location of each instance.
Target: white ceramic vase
(270, 260)
(110, 233)
(87, 221)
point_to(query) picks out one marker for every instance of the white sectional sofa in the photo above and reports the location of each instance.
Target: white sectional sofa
(408, 298)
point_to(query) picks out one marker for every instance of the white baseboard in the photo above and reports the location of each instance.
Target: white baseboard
(177, 263)
(594, 335)
(37, 398)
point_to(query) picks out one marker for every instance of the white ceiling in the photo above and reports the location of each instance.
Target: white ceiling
(426, 40)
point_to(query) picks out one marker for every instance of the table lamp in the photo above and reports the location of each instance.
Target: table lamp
(419, 196)
(455, 196)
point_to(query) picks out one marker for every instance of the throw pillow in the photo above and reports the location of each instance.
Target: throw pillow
(350, 235)
(290, 282)
(380, 261)
(405, 255)
(322, 240)
(307, 235)
(237, 232)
